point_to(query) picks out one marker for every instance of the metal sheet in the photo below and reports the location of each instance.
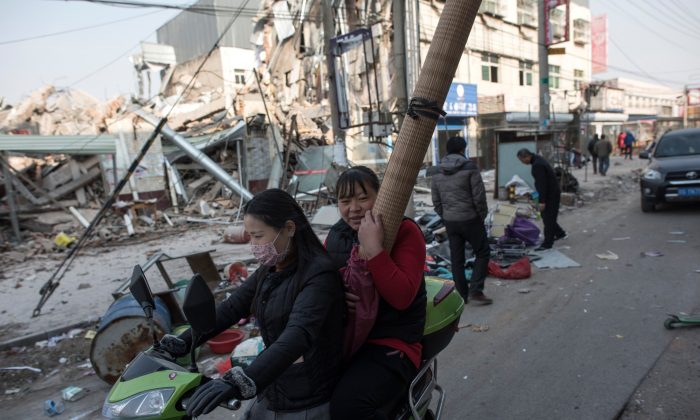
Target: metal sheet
(72, 145)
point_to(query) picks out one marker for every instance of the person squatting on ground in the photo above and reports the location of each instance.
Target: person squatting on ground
(547, 187)
(604, 149)
(459, 198)
(297, 297)
(591, 151)
(383, 368)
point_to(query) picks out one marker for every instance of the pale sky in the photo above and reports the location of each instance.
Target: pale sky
(650, 40)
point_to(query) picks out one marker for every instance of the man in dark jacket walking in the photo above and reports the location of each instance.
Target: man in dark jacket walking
(547, 187)
(459, 198)
(593, 153)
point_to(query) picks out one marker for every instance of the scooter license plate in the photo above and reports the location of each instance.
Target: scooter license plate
(689, 192)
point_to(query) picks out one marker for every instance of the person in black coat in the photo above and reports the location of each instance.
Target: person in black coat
(297, 297)
(547, 187)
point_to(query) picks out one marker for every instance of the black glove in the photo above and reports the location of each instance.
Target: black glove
(173, 346)
(210, 395)
(234, 384)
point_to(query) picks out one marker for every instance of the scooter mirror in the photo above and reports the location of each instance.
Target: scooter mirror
(199, 306)
(142, 291)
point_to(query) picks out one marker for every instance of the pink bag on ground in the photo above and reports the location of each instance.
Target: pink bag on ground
(358, 281)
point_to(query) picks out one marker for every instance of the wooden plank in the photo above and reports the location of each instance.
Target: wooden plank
(92, 174)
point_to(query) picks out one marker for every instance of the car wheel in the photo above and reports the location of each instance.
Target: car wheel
(648, 205)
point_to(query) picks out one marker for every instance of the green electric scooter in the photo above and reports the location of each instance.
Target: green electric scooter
(676, 321)
(155, 387)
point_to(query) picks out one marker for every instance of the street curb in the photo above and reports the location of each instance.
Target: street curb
(44, 335)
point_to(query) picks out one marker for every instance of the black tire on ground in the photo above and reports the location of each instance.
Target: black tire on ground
(647, 205)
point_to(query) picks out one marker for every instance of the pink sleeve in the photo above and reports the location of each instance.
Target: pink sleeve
(398, 277)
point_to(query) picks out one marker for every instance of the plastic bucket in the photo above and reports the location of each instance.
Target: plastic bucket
(123, 332)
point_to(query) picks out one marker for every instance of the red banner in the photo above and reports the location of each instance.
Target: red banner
(599, 44)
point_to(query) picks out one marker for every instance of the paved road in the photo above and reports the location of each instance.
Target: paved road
(578, 345)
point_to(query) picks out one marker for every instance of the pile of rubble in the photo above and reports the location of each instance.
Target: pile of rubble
(48, 111)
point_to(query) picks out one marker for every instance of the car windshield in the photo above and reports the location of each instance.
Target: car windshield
(678, 145)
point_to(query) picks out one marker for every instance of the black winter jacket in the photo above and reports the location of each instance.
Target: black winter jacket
(546, 182)
(300, 311)
(458, 190)
(406, 325)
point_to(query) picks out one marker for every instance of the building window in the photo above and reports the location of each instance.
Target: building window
(491, 7)
(554, 77)
(527, 13)
(557, 19)
(582, 31)
(489, 68)
(578, 79)
(239, 77)
(525, 73)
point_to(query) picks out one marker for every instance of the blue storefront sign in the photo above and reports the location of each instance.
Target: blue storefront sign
(461, 100)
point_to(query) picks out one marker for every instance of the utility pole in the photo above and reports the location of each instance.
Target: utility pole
(400, 85)
(543, 64)
(340, 156)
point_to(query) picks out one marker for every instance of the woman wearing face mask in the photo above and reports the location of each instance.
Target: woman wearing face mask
(297, 297)
(381, 371)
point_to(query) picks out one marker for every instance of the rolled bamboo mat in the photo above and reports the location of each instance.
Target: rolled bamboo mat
(433, 84)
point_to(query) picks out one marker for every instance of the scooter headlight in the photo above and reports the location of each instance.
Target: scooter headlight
(145, 404)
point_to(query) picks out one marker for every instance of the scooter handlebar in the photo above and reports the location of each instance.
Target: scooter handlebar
(232, 404)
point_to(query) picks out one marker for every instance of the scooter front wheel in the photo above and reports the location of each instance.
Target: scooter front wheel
(671, 323)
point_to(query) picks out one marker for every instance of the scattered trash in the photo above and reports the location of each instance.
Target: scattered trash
(677, 232)
(652, 254)
(33, 369)
(609, 255)
(524, 350)
(52, 408)
(62, 360)
(555, 259)
(676, 241)
(518, 270)
(624, 238)
(12, 391)
(64, 241)
(86, 365)
(480, 328)
(464, 326)
(82, 286)
(605, 267)
(73, 393)
(465, 377)
(236, 235)
(585, 311)
(697, 271)
(524, 291)
(619, 336)
(244, 353)
(90, 334)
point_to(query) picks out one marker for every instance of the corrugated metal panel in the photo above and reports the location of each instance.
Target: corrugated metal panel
(71, 145)
(193, 34)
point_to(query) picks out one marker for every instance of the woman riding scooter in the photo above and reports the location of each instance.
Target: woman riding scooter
(382, 369)
(297, 297)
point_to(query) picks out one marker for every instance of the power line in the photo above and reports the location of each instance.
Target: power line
(673, 23)
(84, 28)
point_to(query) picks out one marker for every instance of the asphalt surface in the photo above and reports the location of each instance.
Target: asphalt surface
(577, 343)
(581, 341)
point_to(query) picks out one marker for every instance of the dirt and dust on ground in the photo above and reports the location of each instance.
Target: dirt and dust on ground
(25, 367)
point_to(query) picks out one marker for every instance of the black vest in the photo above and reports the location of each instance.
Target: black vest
(406, 325)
